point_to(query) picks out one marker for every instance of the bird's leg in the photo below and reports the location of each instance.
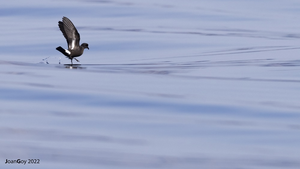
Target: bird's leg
(71, 62)
(76, 60)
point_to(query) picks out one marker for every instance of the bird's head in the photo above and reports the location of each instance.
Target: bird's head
(85, 45)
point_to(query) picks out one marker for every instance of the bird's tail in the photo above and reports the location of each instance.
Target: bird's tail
(63, 51)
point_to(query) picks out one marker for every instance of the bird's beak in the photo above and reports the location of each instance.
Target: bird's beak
(88, 48)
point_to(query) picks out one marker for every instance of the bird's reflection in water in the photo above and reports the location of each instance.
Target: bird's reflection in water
(74, 66)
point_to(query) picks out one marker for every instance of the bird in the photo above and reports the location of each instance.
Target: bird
(73, 37)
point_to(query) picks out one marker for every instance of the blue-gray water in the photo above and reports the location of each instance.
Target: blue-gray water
(166, 84)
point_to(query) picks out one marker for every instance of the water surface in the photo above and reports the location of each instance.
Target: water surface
(165, 84)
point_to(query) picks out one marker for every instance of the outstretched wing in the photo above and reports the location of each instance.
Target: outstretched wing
(70, 32)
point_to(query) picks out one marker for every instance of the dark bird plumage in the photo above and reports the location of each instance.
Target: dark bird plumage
(72, 36)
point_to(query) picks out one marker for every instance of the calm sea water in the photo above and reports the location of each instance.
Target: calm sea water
(166, 84)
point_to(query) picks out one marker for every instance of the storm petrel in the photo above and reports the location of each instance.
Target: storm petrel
(72, 36)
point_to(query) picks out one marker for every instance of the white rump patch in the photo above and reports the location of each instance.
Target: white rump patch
(68, 52)
(73, 44)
